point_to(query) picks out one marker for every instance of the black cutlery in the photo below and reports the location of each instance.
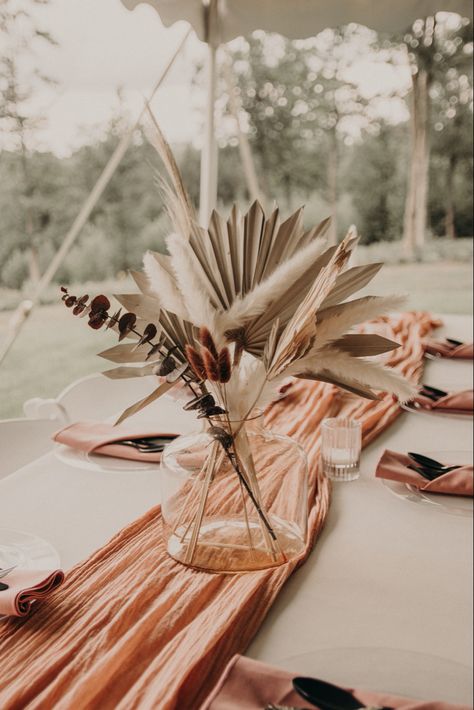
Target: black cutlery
(3, 587)
(429, 468)
(426, 460)
(149, 445)
(454, 342)
(326, 696)
(429, 475)
(432, 391)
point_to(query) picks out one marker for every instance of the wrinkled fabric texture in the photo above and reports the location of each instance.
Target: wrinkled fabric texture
(395, 467)
(132, 628)
(101, 438)
(26, 587)
(251, 685)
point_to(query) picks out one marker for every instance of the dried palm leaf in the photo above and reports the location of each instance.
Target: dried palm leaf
(364, 345)
(333, 322)
(142, 403)
(145, 307)
(298, 335)
(181, 209)
(125, 353)
(119, 373)
(270, 289)
(351, 281)
(253, 336)
(342, 366)
(346, 384)
(177, 334)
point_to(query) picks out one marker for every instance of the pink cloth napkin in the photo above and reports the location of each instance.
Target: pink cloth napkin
(101, 438)
(394, 466)
(25, 587)
(444, 348)
(454, 402)
(250, 685)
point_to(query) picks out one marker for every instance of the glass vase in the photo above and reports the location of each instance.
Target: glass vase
(234, 504)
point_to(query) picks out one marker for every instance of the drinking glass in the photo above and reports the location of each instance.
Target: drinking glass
(340, 448)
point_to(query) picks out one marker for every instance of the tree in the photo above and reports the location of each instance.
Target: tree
(452, 140)
(21, 35)
(375, 177)
(298, 100)
(434, 46)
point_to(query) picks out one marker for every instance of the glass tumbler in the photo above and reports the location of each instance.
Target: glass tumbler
(340, 448)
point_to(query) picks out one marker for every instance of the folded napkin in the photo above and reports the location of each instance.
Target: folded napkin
(101, 438)
(251, 685)
(454, 402)
(394, 466)
(443, 348)
(25, 587)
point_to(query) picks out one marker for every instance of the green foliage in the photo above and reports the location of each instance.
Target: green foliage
(298, 105)
(376, 178)
(14, 270)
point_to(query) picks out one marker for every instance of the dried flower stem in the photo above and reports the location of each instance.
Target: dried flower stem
(232, 457)
(200, 512)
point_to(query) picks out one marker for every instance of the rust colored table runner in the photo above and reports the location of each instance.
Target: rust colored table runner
(131, 628)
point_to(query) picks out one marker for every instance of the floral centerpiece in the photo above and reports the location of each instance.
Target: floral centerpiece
(229, 314)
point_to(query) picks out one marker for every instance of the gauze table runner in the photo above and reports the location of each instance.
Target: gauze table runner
(131, 628)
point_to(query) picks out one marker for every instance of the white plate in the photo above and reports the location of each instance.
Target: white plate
(387, 670)
(97, 462)
(26, 551)
(454, 505)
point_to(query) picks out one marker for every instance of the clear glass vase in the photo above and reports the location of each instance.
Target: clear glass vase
(234, 507)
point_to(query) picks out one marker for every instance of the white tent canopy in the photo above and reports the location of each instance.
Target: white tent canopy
(218, 21)
(298, 19)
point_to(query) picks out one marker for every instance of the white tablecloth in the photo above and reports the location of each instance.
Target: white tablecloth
(384, 599)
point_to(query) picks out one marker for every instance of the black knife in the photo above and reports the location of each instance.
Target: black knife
(327, 696)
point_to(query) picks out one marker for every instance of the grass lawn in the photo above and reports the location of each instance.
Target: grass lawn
(55, 348)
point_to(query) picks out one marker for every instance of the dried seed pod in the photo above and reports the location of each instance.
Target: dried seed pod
(97, 320)
(148, 334)
(201, 402)
(78, 309)
(80, 306)
(114, 319)
(156, 368)
(125, 324)
(210, 365)
(153, 350)
(224, 364)
(207, 341)
(196, 362)
(167, 365)
(221, 435)
(211, 412)
(100, 303)
(64, 289)
(70, 301)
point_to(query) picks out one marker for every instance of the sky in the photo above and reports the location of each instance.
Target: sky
(103, 46)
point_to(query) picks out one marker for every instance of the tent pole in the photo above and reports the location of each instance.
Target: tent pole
(208, 183)
(23, 311)
(248, 164)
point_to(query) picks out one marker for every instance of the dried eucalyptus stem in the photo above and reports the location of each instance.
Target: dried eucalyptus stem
(98, 315)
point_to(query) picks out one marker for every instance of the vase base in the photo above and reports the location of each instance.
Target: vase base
(232, 547)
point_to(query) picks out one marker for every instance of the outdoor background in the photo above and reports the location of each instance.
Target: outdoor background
(372, 130)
